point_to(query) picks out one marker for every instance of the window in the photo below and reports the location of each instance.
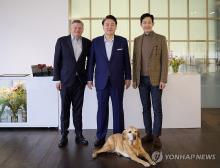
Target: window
(190, 29)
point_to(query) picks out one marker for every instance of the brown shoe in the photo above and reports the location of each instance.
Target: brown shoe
(147, 138)
(156, 142)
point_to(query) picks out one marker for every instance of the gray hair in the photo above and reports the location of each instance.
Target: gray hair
(77, 21)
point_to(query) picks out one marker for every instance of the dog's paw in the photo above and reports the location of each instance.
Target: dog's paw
(94, 155)
(153, 163)
(146, 164)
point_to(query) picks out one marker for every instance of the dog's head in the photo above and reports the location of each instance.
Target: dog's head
(131, 134)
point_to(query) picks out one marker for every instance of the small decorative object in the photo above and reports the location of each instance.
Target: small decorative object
(50, 70)
(175, 63)
(42, 70)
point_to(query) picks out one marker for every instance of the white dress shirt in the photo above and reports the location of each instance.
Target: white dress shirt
(77, 46)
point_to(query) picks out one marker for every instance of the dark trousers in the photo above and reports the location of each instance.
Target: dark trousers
(116, 95)
(148, 94)
(72, 95)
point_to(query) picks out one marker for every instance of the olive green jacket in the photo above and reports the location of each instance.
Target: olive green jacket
(158, 62)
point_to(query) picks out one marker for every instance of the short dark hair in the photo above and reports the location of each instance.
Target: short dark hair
(109, 17)
(147, 15)
(77, 21)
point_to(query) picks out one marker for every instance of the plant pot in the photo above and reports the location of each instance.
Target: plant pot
(14, 118)
(175, 69)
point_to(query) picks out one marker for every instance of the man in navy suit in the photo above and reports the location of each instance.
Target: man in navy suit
(71, 76)
(109, 53)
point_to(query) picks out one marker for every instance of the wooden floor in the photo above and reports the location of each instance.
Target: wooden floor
(37, 148)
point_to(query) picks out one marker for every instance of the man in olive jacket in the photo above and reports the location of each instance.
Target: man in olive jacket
(150, 71)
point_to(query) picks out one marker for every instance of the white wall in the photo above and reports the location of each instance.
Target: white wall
(179, 109)
(28, 32)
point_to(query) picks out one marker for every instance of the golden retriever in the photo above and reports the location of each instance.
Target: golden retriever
(127, 144)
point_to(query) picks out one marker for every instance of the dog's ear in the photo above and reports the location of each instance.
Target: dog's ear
(124, 135)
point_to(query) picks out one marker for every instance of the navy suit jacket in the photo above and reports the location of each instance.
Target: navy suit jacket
(65, 64)
(117, 69)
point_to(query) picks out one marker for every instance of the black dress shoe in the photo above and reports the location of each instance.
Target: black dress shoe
(99, 143)
(63, 142)
(81, 140)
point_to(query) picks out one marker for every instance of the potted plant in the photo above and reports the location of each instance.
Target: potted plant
(175, 63)
(15, 99)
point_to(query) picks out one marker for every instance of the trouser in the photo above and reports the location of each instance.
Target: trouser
(150, 93)
(116, 95)
(72, 95)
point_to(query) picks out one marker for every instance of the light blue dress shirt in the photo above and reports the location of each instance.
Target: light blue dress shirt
(108, 47)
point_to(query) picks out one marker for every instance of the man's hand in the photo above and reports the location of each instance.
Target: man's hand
(127, 83)
(90, 84)
(162, 85)
(58, 85)
(134, 85)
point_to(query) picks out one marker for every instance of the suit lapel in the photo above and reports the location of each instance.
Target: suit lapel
(103, 48)
(139, 49)
(114, 47)
(69, 41)
(152, 45)
(83, 46)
